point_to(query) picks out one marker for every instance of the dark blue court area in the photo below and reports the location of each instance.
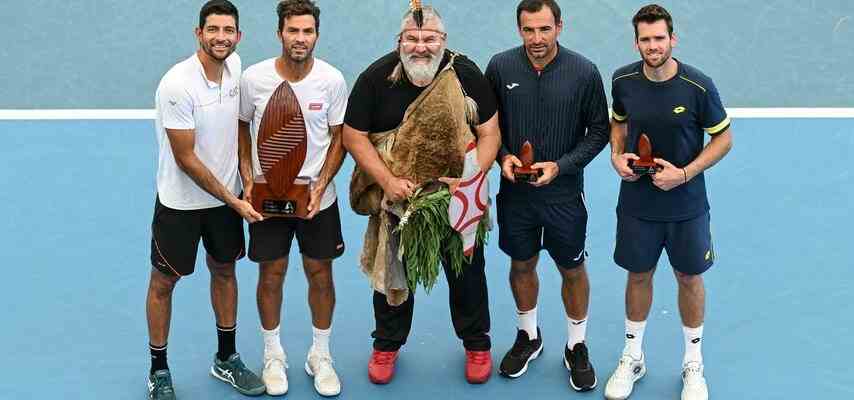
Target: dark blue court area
(77, 205)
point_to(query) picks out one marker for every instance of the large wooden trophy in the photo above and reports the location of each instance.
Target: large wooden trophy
(282, 144)
(646, 165)
(525, 173)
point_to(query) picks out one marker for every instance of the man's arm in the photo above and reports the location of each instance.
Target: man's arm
(334, 158)
(244, 153)
(182, 142)
(491, 75)
(717, 148)
(357, 143)
(595, 111)
(619, 158)
(488, 142)
(671, 176)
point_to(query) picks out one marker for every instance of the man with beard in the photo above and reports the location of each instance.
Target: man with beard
(673, 104)
(197, 195)
(553, 98)
(401, 109)
(321, 93)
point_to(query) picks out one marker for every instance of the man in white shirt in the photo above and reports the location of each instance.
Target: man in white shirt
(197, 195)
(321, 92)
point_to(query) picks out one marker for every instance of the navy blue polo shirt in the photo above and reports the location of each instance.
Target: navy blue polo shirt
(674, 114)
(562, 110)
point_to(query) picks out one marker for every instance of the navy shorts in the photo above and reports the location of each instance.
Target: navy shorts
(688, 244)
(524, 228)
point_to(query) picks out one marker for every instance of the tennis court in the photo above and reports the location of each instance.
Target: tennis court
(78, 203)
(79, 160)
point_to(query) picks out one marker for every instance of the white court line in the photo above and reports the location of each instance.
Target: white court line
(93, 114)
(143, 114)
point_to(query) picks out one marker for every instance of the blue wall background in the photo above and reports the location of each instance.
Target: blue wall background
(112, 53)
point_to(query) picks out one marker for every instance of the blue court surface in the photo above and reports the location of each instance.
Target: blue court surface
(77, 208)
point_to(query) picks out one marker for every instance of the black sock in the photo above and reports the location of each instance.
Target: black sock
(225, 342)
(158, 358)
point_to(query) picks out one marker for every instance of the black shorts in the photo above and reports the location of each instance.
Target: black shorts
(524, 228)
(175, 237)
(688, 244)
(318, 238)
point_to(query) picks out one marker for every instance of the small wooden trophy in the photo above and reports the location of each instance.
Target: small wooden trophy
(646, 165)
(525, 173)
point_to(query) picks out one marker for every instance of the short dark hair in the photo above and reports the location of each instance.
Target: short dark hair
(533, 6)
(651, 14)
(218, 7)
(293, 8)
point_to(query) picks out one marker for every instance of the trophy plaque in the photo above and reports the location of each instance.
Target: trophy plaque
(646, 165)
(525, 173)
(282, 144)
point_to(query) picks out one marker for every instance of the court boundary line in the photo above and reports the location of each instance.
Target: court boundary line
(149, 114)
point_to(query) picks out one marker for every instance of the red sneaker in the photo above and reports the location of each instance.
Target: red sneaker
(478, 366)
(381, 366)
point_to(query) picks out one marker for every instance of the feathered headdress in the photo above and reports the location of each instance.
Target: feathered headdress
(417, 12)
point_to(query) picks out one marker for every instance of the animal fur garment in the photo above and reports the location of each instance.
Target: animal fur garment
(430, 143)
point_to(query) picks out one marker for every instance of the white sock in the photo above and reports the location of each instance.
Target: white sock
(693, 343)
(577, 331)
(272, 343)
(634, 338)
(528, 322)
(321, 339)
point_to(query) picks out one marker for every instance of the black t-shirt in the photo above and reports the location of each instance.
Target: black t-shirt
(377, 105)
(674, 114)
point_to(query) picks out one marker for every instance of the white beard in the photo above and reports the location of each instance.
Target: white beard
(422, 74)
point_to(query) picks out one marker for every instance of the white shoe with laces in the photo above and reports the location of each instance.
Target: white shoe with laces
(319, 366)
(693, 383)
(274, 375)
(621, 383)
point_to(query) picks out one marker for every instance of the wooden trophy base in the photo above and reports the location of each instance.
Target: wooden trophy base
(293, 204)
(642, 167)
(526, 174)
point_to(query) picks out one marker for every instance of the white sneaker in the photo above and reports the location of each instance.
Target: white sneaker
(274, 375)
(693, 384)
(319, 366)
(621, 383)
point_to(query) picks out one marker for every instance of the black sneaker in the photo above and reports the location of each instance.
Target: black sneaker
(581, 374)
(524, 350)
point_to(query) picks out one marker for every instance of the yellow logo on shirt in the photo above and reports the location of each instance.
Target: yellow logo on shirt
(708, 255)
(679, 110)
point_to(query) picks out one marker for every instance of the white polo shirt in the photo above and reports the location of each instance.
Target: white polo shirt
(186, 99)
(322, 96)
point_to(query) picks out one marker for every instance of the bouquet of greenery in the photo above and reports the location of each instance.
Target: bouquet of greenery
(425, 231)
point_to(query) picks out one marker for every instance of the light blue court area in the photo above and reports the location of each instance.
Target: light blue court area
(77, 205)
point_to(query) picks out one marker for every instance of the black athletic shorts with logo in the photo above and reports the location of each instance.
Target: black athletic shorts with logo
(318, 238)
(524, 228)
(175, 237)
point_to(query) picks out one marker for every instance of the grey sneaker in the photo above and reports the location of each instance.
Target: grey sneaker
(160, 385)
(233, 372)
